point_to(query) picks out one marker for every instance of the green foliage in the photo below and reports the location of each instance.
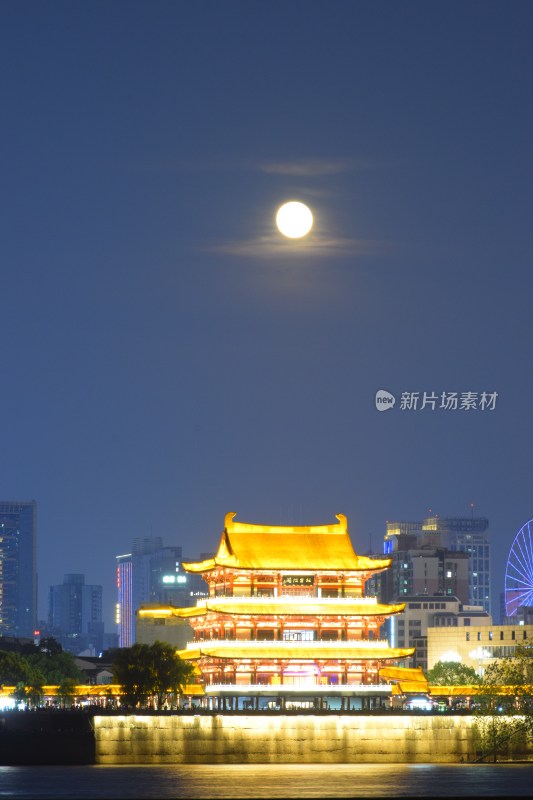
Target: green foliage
(131, 670)
(515, 672)
(30, 690)
(170, 673)
(66, 692)
(40, 666)
(14, 669)
(55, 667)
(34, 688)
(150, 671)
(492, 734)
(505, 702)
(49, 646)
(20, 693)
(452, 673)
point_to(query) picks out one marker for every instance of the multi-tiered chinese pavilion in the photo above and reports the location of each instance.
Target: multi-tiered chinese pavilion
(286, 623)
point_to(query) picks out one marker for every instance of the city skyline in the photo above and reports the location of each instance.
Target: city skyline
(122, 560)
(169, 356)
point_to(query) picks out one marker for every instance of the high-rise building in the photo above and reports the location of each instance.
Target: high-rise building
(454, 534)
(423, 571)
(434, 561)
(75, 615)
(151, 573)
(124, 611)
(18, 568)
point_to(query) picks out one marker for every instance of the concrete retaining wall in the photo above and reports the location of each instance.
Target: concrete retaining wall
(229, 739)
(46, 737)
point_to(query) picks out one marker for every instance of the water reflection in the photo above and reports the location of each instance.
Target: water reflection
(267, 781)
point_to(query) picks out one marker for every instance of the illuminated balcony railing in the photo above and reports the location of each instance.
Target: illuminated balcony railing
(287, 605)
(287, 598)
(289, 644)
(303, 688)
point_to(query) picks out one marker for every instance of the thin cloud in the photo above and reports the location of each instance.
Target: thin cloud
(296, 168)
(313, 167)
(310, 247)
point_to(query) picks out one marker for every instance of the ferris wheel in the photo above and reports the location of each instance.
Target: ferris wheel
(519, 571)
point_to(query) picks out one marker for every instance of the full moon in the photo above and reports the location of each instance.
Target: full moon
(294, 220)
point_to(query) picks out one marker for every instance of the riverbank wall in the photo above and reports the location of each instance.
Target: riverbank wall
(46, 738)
(72, 737)
(299, 739)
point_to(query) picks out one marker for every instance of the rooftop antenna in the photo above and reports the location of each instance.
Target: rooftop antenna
(472, 509)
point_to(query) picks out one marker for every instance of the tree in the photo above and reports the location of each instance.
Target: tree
(49, 646)
(131, 670)
(20, 693)
(144, 671)
(46, 664)
(505, 707)
(55, 666)
(452, 673)
(34, 688)
(66, 691)
(14, 669)
(170, 672)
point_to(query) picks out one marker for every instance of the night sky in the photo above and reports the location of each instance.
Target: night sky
(167, 356)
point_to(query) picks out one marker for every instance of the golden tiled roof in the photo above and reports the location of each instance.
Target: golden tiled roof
(245, 545)
(410, 687)
(276, 606)
(403, 673)
(408, 679)
(295, 652)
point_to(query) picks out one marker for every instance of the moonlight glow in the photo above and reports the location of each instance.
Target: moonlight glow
(294, 220)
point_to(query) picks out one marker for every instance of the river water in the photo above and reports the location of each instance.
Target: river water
(267, 781)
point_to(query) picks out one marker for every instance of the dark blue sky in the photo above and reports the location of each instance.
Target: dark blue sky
(168, 357)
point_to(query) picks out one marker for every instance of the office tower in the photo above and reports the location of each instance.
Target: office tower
(18, 568)
(75, 615)
(151, 573)
(433, 560)
(422, 571)
(456, 535)
(124, 613)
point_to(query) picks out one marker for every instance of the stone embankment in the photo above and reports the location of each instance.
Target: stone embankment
(46, 737)
(81, 737)
(256, 739)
